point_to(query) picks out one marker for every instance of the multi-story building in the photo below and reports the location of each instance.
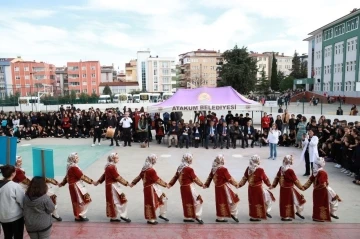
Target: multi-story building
(154, 74)
(84, 76)
(62, 84)
(6, 76)
(199, 68)
(108, 74)
(131, 71)
(121, 76)
(160, 73)
(265, 61)
(29, 77)
(333, 60)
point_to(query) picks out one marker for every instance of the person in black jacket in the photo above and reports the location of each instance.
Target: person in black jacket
(249, 133)
(112, 123)
(224, 134)
(98, 127)
(211, 133)
(197, 133)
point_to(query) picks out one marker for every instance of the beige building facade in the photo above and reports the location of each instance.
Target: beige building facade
(130, 71)
(199, 68)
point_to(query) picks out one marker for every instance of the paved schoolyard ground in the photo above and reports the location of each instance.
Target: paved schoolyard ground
(93, 159)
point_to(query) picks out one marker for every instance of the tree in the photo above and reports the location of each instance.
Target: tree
(274, 75)
(84, 98)
(72, 95)
(239, 70)
(296, 65)
(303, 69)
(287, 83)
(263, 84)
(280, 77)
(107, 90)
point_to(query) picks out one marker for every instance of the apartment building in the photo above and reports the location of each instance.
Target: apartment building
(154, 73)
(6, 76)
(265, 61)
(84, 76)
(131, 71)
(334, 56)
(199, 68)
(120, 87)
(108, 74)
(29, 77)
(62, 84)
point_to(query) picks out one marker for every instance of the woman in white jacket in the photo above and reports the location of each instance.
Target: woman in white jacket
(273, 140)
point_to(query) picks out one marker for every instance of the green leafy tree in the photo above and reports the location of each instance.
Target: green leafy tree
(280, 77)
(93, 98)
(72, 96)
(84, 98)
(274, 75)
(239, 70)
(107, 90)
(303, 69)
(263, 84)
(296, 67)
(287, 83)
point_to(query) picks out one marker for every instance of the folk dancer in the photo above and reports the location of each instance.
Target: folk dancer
(80, 198)
(191, 200)
(259, 198)
(20, 176)
(226, 200)
(24, 182)
(154, 198)
(289, 197)
(325, 200)
(116, 202)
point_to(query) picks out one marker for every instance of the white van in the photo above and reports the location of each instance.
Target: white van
(166, 95)
(155, 97)
(136, 98)
(116, 98)
(104, 99)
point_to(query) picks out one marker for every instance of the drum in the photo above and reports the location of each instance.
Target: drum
(110, 132)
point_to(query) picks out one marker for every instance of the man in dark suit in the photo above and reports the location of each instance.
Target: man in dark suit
(211, 133)
(224, 134)
(197, 133)
(249, 133)
(235, 133)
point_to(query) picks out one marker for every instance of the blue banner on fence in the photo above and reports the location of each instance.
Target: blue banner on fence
(7, 143)
(38, 165)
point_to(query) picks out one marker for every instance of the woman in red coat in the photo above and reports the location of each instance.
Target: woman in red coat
(325, 200)
(116, 202)
(66, 125)
(154, 198)
(259, 198)
(191, 200)
(79, 197)
(289, 197)
(226, 200)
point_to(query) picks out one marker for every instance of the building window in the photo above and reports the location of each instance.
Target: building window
(17, 77)
(328, 34)
(73, 68)
(165, 72)
(347, 66)
(27, 77)
(143, 76)
(352, 24)
(84, 83)
(93, 68)
(155, 72)
(74, 76)
(26, 68)
(16, 68)
(84, 75)
(93, 75)
(83, 68)
(93, 82)
(155, 64)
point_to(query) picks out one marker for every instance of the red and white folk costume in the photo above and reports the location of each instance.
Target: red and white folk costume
(20, 176)
(191, 200)
(259, 198)
(154, 198)
(325, 200)
(289, 196)
(226, 200)
(116, 202)
(79, 197)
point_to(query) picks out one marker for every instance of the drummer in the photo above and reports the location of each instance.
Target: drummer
(112, 123)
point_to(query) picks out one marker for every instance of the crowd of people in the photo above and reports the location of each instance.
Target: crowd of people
(30, 202)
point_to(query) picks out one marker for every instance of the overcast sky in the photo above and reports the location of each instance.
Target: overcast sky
(113, 30)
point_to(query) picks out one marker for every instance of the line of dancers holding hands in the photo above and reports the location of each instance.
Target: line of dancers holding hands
(325, 200)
